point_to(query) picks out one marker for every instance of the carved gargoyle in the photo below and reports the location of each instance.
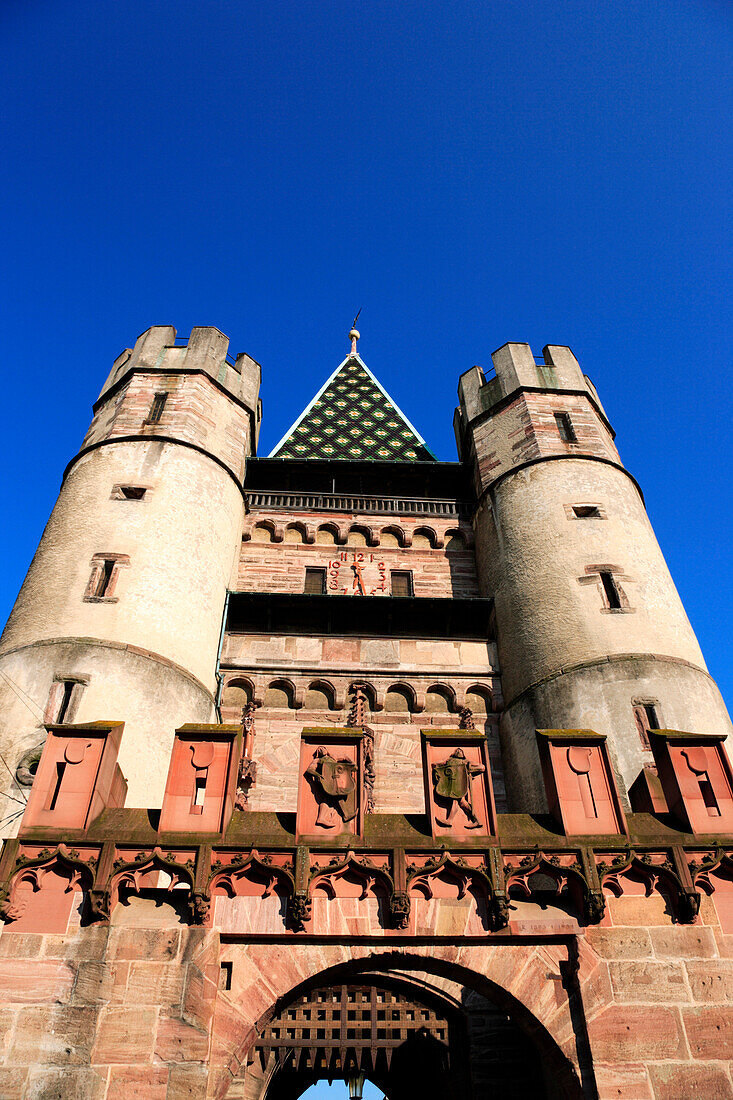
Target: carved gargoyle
(399, 909)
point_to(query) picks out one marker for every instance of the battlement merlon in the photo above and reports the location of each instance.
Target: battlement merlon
(516, 368)
(156, 350)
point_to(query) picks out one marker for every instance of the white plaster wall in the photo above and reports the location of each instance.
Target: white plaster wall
(182, 541)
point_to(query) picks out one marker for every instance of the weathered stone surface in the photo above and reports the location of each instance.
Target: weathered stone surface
(627, 1033)
(678, 1080)
(22, 945)
(711, 981)
(12, 1082)
(177, 1041)
(709, 1031)
(187, 1083)
(620, 943)
(683, 942)
(65, 1084)
(54, 1035)
(155, 983)
(623, 1082)
(125, 1035)
(40, 982)
(649, 981)
(138, 1082)
(144, 943)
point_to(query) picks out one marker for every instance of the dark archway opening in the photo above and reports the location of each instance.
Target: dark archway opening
(410, 1041)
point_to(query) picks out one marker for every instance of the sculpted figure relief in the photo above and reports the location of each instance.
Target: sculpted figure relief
(334, 784)
(452, 783)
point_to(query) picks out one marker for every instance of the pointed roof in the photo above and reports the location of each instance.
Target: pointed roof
(353, 417)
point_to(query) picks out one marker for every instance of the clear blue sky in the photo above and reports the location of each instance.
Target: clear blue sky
(468, 173)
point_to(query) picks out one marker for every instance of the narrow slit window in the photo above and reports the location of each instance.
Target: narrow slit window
(645, 715)
(105, 577)
(565, 428)
(132, 492)
(610, 591)
(586, 511)
(226, 975)
(401, 582)
(65, 703)
(156, 409)
(315, 582)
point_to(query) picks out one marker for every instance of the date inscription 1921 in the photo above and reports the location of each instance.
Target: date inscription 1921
(357, 574)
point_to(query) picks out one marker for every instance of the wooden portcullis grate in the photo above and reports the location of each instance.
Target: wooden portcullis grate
(343, 1027)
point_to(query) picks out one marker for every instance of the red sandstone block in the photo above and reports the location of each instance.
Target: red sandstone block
(620, 943)
(709, 1031)
(125, 1035)
(58, 1084)
(155, 983)
(20, 945)
(35, 983)
(649, 981)
(187, 1083)
(138, 1082)
(623, 1082)
(628, 1032)
(711, 981)
(177, 1041)
(678, 942)
(12, 1083)
(56, 1035)
(144, 943)
(100, 983)
(640, 912)
(678, 1080)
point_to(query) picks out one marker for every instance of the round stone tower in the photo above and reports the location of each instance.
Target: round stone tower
(591, 630)
(120, 615)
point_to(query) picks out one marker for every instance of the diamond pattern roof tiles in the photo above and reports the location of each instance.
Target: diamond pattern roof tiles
(353, 417)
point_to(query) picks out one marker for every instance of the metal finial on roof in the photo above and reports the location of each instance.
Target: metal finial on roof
(354, 335)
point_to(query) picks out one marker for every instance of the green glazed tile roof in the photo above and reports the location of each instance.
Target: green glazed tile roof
(352, 417)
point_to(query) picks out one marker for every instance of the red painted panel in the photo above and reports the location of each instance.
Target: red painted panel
(199, 788)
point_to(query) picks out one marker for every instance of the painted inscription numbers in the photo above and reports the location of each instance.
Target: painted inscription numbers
(358, 574)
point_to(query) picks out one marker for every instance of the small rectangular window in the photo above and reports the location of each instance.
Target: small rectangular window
(586, 511)
(565, 428)
(104, 576)
(401, 582)
(132, 492)
(610, 590)
(315, 582)
(156, 409)
(645, 715)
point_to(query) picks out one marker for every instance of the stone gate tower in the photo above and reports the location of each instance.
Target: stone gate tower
(121, 611)
(350, 762)
(591, 629)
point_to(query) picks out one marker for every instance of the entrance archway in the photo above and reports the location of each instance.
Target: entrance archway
(407, 1038)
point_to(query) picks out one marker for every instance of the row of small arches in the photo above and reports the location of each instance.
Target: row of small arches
(334, 534)
(399, 697)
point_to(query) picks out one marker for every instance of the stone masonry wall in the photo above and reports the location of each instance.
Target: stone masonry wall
(137, 1010)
